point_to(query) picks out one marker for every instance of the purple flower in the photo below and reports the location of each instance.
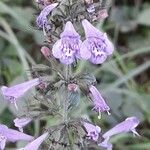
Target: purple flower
(126, 126)
(96, 46)
(92, 131)
(13, 93)
(67, 48)
(99, 103)
(11, 135)
(22, 122)
(41, 20)
(36, 143)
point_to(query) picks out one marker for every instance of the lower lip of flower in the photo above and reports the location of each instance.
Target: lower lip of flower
(68, 52)
(2, 137)
(97, 52)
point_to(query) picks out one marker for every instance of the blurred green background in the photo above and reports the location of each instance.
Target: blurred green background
(123, 79)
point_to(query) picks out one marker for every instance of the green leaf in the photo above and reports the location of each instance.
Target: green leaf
(142, 146)
(21, 16)
(2, 103)
(143, 17)
(129, 75)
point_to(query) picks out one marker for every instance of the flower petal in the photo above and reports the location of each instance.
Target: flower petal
(98, 59)
(36, 143)
(126, 126)
(57, 49)
(90, 30)
(67, 60)
(109, 45)
(85, 53)
(48, 9)
(20, 123)
(18, 90)
(106, 144)
(98, 100)
(69, 30)
(42, 18)
(93, 131)
(2, 143)
(13, 136)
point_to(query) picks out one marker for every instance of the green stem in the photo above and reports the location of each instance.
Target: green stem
(70, 138)
(20, 50)
(121, 62)
(66, 98)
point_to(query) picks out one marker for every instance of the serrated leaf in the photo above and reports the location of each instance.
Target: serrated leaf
(74, 99)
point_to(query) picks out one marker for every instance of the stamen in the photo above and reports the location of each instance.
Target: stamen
(44, 31)
(99, 114)
(135, 133)
(108, 112)
(16, 105)
(21, 129)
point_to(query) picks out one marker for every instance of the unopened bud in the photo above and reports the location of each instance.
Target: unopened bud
(42, 86)
(102, 14)
(45, 51)
(72, 87)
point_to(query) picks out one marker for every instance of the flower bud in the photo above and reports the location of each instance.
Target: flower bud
(72, 87)
(45, 51)
(102, 14)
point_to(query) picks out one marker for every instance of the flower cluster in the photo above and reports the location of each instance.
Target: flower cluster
(11, 135)
(128, 125)
(95, 48)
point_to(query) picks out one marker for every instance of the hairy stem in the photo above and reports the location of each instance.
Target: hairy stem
(66, 97)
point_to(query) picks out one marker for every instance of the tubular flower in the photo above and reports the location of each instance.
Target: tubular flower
(67, 48)
(13, 93)
(96, 46)
(11, 135)
(127, 125)
(22, 122)
(92, 131)
(41, 20)
(34, 145)
(99, 103)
